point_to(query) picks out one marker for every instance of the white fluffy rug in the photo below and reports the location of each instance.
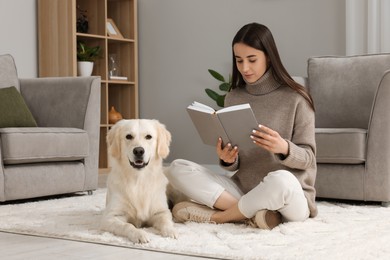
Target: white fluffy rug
(341, 231)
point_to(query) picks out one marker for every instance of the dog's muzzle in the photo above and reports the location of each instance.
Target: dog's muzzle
(139, 162)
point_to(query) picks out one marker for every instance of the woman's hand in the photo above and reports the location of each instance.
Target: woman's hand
(270, 140)
(227, 154)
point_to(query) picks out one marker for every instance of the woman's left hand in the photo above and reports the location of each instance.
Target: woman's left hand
(270, 140)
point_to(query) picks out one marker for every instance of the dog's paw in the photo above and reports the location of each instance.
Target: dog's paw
(169, 232)
(139, 236)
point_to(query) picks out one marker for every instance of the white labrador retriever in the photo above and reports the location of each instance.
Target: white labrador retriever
(136, 185)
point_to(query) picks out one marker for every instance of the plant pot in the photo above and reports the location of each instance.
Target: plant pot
(84, 68)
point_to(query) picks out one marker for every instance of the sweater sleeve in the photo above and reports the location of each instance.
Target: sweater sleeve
(302, 146)
(230, 167)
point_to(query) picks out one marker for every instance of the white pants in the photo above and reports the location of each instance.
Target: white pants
(280, 190)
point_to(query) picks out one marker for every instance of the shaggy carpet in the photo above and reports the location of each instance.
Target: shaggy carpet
(341, 231)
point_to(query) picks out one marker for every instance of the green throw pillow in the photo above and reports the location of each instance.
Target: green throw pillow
(13, 110)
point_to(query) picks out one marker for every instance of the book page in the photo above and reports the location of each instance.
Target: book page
(234, 108)
(201, 107)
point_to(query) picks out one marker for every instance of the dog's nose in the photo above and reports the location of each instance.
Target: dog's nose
(138, 151)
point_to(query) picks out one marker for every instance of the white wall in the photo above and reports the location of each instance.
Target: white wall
(367, 26)
(180, 39)
(19, 35)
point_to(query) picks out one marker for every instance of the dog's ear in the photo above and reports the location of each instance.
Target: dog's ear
(114, 141)
(163, 140)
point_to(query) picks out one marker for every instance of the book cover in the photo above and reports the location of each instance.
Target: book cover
(233, 124)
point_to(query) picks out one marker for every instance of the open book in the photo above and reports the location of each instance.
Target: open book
(233, 124)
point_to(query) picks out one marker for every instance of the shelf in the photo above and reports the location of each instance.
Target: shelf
(95, 12)
(57, 57)
(87, 35)
(120, 40)
(120, 82)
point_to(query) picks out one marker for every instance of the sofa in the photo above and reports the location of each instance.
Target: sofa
(54, 148)
(352, 100)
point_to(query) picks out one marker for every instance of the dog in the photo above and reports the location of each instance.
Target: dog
(136, 185)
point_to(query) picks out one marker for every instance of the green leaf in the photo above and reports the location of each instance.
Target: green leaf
(86, 53)
(212, 94)
(216, 75)
(224, 86)
(221, 101)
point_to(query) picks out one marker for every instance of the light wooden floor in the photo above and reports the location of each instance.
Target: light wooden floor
(13, 246)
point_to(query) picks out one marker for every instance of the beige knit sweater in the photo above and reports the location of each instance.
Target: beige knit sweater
(285, 111)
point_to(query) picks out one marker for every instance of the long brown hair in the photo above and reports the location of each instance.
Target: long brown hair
(260, 37)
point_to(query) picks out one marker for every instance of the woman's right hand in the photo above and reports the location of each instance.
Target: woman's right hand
(227, 153)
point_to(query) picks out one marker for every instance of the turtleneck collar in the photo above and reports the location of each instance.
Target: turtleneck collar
(263, 85)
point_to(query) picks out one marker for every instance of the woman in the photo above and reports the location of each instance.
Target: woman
(274, 181)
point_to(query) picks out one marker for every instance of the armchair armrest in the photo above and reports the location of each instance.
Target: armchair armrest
(378, 144)
(301, 80)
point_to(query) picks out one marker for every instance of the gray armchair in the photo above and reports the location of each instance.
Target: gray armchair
(352, 100)
(61, 154)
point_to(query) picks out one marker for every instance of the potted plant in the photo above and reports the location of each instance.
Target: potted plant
(223, 86)
(82, 21)
(85, 58)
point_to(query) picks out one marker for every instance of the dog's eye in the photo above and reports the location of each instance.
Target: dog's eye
(148, 137)
(129, 137)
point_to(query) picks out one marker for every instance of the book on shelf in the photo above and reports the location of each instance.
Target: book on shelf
(118, 78)
(233, 124)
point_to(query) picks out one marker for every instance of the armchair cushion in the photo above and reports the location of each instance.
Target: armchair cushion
(45, 98)
(341, 145)
(14, 111)
(38, 144)
(343, 88)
